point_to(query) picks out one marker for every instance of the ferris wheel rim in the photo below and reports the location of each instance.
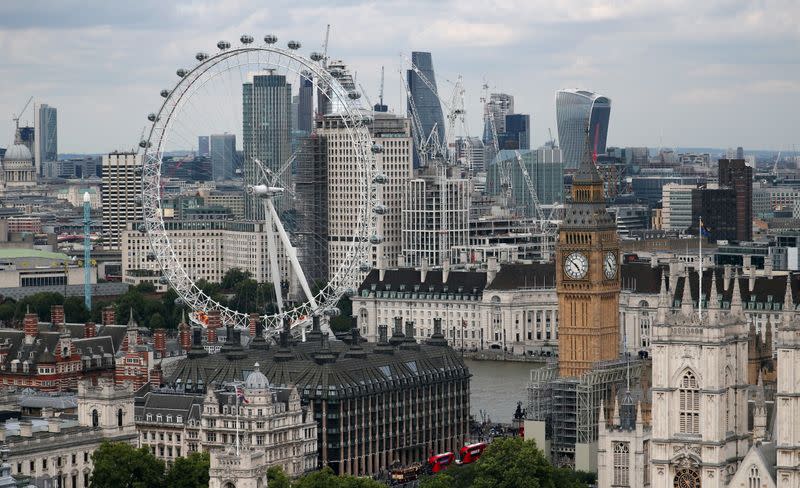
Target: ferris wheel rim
(172, 269)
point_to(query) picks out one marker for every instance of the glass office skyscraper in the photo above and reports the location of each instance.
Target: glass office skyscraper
(427, 103)
(223, 156)
(47, 135)
(266, 132)
(574, 108)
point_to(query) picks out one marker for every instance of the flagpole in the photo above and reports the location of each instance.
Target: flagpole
(700, 267)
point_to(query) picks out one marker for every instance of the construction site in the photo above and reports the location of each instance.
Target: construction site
(563, 413)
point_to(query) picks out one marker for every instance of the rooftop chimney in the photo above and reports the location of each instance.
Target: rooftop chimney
(197, 350)
(437, 339)
(214, 322)
(445, 271)
(423, 270)
(397, 332)
(383, 346)
(491, 269)
(109, 316)
(160, 341)
(25, 428)
(54, 425)
(30, 325)
(252, 320)
(89, 330)
(57, 316)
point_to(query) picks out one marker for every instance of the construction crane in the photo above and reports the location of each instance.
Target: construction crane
(325, 47)
(454, 108)
(775, 166)
(16, 118)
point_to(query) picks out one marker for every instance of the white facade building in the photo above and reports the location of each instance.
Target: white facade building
(347, 193)
(676, 206)
(513, 309)
(207, 249)
(435, 215)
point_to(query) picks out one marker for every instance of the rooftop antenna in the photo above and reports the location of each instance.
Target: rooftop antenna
(381, 92)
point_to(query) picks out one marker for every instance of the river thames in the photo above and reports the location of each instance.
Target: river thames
(496, 387)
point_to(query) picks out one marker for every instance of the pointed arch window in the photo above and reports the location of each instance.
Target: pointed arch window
(689, 392)
(621, 463)
(755, 477)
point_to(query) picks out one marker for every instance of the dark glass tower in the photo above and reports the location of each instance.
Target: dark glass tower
(305, 106)
(427, 103)
(518, 132)
(573, 109)
(266, 133)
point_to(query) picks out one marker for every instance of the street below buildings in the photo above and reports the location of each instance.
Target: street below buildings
(496, 387)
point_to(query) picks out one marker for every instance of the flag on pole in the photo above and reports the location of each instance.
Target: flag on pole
(464, 323)
(703, 231)
(240, 395)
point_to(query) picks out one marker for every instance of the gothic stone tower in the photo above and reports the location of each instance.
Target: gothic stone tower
(587, 276)
(787, 398)
(700, 432)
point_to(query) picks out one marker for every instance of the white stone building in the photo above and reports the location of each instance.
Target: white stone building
(173, 423)
(57, 451)
(513, 308)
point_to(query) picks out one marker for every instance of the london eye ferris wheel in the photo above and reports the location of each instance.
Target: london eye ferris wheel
(241, 96)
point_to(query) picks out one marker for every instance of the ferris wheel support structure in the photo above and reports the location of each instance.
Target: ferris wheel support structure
(250, 56)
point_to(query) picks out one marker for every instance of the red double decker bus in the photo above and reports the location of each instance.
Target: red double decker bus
(471, 452)
(440, 462)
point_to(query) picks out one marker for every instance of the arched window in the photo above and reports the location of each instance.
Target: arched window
(621, 463)
(689, 392)
(119, 418)
(95, 419)
(755, 477)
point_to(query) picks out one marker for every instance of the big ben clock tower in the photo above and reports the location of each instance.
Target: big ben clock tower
(587, 276)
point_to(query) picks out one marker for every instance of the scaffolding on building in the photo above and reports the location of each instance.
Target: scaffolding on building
(570, 407)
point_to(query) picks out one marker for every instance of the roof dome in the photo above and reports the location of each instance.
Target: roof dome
(256, 380)
(18, 152)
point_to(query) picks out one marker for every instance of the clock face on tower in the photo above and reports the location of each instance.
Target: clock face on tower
(576, 265)
(610, 265)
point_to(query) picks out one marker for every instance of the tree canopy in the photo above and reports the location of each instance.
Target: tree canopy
(189, 472)
(120, 465)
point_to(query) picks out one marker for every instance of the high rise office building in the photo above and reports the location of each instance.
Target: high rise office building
(676, 205)
(305, 106)
(222, 148)
(545, 169)
(346, 197)
(435, 215)
(737, 175)
(499, 106)
(574, 108)
(517, 132)
(429, 110)
(311, 188)
(471, 153)
(120, 189)
(46, 135)
(27, 137)
(202, 146)
(266, 132)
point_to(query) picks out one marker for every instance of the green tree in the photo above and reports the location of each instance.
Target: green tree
(156, 321)
(512, 462)
(189, 472)
(7, 310)
(132, 300)
(276, 478)
(75, 310)
(232, 277)
(325, 478)
(120, 465)
(146, 287)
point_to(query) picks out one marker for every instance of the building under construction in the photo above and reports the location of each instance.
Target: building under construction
(562, 414)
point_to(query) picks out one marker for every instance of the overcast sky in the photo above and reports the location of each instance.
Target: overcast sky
(713, 73)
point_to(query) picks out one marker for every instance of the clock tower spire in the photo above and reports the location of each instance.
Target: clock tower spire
(587, 275)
